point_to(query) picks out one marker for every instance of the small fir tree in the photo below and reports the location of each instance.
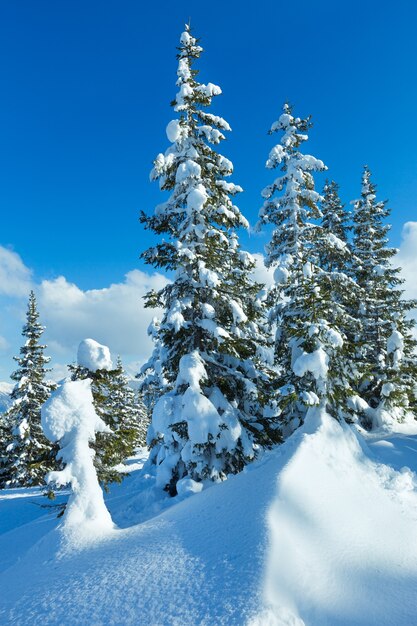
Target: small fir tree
(26, 454)
(131, 418)
(152, 384)
(125, 415)
(386, 352)
(209, 421)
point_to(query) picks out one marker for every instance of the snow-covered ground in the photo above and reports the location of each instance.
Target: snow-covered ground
(321, 531)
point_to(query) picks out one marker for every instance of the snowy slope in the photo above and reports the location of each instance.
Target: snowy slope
(319, 532)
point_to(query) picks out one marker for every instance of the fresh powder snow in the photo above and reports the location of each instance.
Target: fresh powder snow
(320, 531)
(94, 356)
(69, 419)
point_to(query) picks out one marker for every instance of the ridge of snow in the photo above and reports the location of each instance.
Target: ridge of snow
(317, 532)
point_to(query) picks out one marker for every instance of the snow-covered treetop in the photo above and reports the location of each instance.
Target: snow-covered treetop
(32, 328)
(291, 211)
(199, 215)
(368, 197)
(70, 409)
(32, 351)
(335, 218)
(94, 356)
(190, 91)
(335, 252)
(292, 137)
(190, 167)
(370, 236)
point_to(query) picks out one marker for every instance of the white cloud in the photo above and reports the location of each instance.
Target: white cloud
(262, 274)
(15, 277)
(4, 344)
(407, 258)
(114, 316)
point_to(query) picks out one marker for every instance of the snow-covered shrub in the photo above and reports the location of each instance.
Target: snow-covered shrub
(70, 420)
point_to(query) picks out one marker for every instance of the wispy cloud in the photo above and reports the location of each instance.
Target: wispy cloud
(15, 277)
(407, 258)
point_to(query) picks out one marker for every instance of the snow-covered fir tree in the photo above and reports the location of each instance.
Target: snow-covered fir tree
(209, 421)
(26, 455)
(335, 222)
(386, 348)
(132, 419)
(152, 383)
(116, 405)
(312, 348)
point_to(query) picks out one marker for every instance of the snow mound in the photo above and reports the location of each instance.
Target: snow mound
(343, 546)
(316, 362)
(94, 356)
(316, 533)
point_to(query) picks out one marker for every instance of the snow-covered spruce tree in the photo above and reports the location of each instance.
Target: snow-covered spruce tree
(130, 413)
(386, 347)
(152, 384)
(335, 222)
(209, 422)
(26, 454)
(312, 351)
(115, 404)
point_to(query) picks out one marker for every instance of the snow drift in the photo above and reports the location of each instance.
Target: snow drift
(317, 533)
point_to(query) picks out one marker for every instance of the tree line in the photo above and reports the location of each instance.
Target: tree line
(237, 370)
(26, 455)
(236, 367)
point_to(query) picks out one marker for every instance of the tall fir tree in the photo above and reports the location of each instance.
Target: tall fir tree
(209, 420)
(312, 348)
(26, 454)
(124, 413)
(386, 350)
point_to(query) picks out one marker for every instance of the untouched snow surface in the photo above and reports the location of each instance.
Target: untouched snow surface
(319, 532)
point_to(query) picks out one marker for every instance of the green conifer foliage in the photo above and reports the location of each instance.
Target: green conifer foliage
(306, 302)
(125, 414)
(208, 421)
(335, 222)
(26, 454)
(386, 348)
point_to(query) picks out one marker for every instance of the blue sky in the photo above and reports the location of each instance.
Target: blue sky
(85, 103)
